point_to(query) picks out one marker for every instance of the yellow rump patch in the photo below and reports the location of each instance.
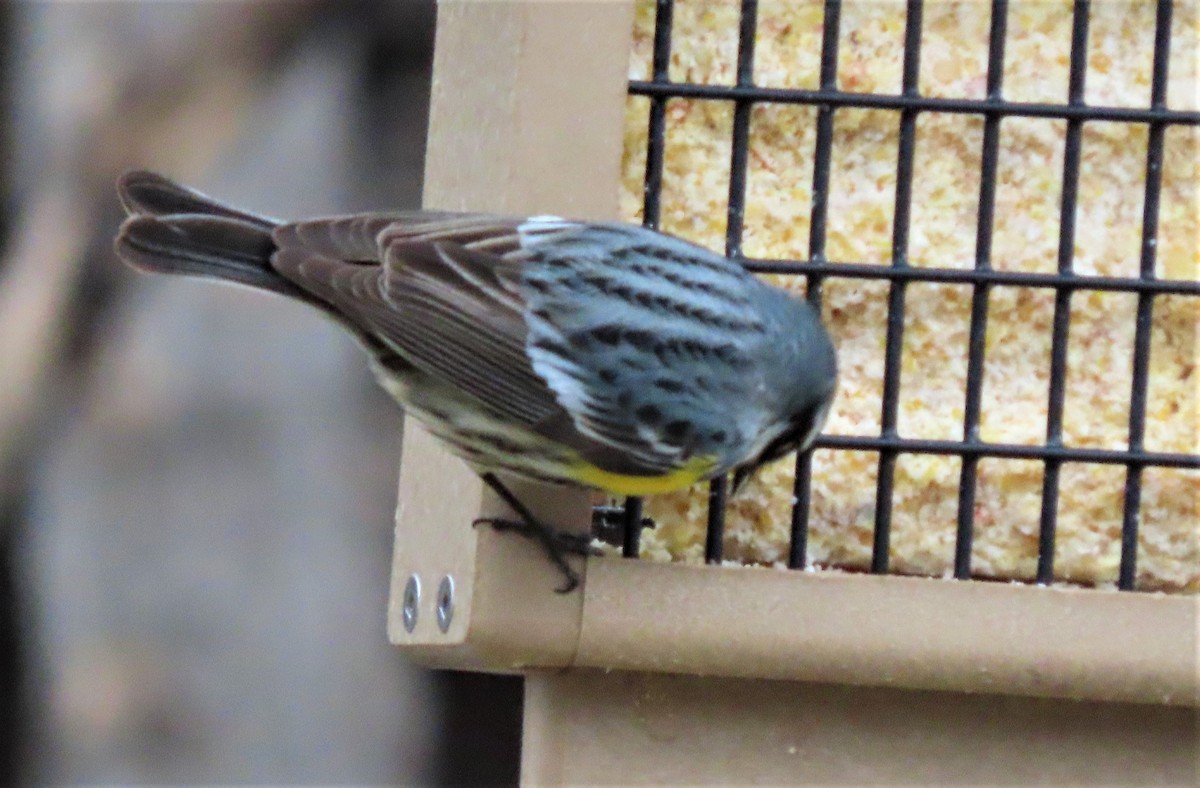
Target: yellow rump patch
(621, 484)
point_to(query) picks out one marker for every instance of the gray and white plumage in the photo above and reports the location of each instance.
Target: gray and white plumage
(598, 354)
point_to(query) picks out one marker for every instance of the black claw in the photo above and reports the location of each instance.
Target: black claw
(500, 524)
(570, 582)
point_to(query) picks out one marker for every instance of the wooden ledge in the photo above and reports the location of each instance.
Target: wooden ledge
(918, 633)
(865, 630)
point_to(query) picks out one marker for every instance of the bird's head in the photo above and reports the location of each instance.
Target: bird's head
(799, 383)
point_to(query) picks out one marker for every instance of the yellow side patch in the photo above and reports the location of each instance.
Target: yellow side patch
(621, 484)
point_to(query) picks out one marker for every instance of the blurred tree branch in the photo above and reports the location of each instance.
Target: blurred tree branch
(174, 103)
(36, 286)
(145, 617)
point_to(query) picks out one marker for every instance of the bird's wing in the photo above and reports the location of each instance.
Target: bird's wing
(428, 287)
(606, 339)
(647, 342)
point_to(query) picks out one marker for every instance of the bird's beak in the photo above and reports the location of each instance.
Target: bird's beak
(741, 475)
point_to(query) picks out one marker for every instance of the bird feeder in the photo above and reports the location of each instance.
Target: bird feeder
(986, 569)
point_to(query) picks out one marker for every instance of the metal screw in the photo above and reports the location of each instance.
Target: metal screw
(412, 601)
(445, 603)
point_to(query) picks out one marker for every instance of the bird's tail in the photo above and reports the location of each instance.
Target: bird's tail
(173, 229)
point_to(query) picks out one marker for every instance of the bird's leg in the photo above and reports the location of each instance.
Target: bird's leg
(557, 543)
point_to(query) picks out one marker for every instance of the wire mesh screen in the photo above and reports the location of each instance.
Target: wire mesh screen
(829, 102)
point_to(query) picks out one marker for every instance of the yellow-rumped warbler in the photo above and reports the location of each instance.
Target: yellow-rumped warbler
(600, 355)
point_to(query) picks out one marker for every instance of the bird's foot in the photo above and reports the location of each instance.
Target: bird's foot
(557, 543)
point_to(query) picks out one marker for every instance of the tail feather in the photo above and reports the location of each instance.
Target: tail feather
(175, 230)
(205, 246)
(144, 192)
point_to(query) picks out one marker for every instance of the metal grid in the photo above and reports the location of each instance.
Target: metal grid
(909, 104)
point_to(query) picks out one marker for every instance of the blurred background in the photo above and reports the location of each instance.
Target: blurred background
(197, 483)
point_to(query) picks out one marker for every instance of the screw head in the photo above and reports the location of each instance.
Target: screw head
(412, 602)
(445, 603)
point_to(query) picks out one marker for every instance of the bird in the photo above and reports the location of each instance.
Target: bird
(600, 355)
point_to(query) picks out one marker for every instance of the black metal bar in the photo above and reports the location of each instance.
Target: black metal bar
(967, 276)
(833, 98)
(741, 131)
(823, 151)
(894, 344)
(657, 137)
(747, 29)
(631, 527)
(1062, 297)
(801, 503)
(976, 345)
(714, 535)
(1145, 305)
(1009, 451)
(818, 216)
